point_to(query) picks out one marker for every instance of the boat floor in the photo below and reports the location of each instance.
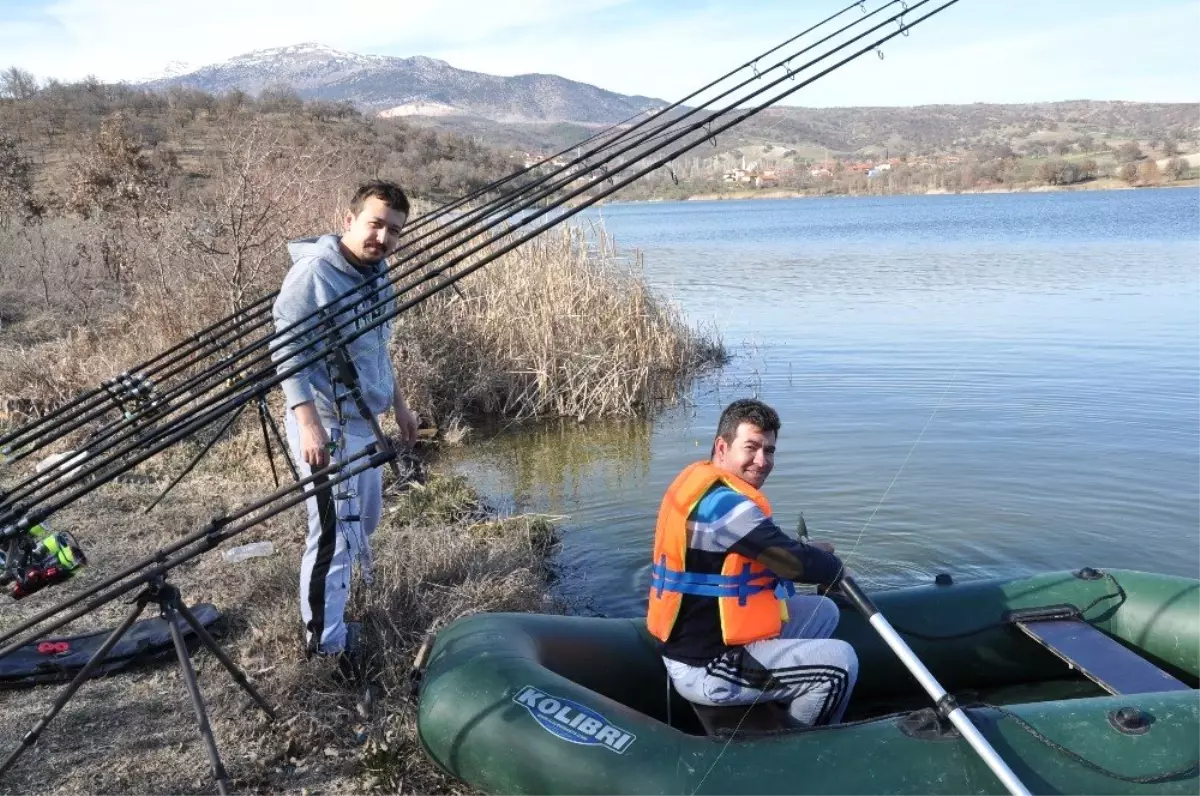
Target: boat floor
(684, 719)
(1020, 693)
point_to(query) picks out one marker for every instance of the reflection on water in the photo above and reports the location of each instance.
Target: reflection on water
(986, 386)
(546, 466)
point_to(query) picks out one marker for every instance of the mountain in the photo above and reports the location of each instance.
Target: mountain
(794, 134)
(408, 86)
(546, 113)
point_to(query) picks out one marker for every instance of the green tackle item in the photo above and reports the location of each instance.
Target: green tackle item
(53, 556)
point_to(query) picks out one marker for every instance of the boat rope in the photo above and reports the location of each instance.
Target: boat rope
(1073, 613)
(1144, 779)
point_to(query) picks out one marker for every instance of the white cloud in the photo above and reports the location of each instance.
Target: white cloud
(123, 39)
(1140, 55)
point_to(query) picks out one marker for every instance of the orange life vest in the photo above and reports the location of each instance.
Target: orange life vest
(745, 590)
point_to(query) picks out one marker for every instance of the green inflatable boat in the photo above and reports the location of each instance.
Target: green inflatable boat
(1082, 682)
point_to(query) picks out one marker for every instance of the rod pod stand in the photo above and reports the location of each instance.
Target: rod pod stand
(946, 706)
(268, 427)
(347, 374)
(268, 422)
(171, 608)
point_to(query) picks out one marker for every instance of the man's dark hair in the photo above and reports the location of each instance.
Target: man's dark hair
(389, 193)
(746, 410)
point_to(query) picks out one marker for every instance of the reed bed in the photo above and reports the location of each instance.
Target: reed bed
(564, 326)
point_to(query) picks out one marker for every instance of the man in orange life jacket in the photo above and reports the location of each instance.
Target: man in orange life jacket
(721, 600)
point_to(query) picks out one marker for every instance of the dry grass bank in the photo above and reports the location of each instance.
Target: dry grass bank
(564, 326)
(440, 554)
(126, 262)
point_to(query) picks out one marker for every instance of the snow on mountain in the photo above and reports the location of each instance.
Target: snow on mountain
(406, 86)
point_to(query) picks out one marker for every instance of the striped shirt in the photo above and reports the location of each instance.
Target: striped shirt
(724, 522)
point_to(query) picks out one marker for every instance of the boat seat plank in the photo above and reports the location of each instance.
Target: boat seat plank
(762, 717)
(1114, 667)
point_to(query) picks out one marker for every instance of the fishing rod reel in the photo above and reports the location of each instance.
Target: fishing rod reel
(131, 392)
(39, 558)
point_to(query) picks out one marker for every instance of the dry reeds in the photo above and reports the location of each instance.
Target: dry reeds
(560, 327)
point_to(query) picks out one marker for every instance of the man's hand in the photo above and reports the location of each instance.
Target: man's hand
(314, 442)
(407, 421)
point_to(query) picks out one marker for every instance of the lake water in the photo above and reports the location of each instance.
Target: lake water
(982, 385)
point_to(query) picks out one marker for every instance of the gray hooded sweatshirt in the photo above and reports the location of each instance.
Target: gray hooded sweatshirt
(318, 276)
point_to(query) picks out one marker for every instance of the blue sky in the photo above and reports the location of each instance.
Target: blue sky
(976, 51)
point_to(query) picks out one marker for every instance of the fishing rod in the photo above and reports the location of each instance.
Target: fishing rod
(790, 73)
(212, 534)
(24, 434)
(21, 435)
(499, 204)
(12, 438)
(153, 579)
(538, 197)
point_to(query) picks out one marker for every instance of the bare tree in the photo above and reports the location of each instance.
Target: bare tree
(1174, 168)
(1148, 172)
(279, 98)
(1129, 152)
(16, 185)
(263, 192)
(124, 191)
(114, 174)
(1058, 172)
(16, 83)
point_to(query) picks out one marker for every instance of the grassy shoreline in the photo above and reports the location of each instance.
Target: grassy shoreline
(440, 553)
(125, 248)
(1094, 185)
(562, 327)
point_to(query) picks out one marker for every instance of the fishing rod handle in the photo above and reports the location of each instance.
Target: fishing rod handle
(857, 597)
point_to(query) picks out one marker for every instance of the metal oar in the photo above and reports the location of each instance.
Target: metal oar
(944, 701)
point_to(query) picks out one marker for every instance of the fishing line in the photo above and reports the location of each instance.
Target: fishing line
(451, 279)
(12, 438)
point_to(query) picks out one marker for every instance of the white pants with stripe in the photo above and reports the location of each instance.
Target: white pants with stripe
(340, 523)
(804, 667)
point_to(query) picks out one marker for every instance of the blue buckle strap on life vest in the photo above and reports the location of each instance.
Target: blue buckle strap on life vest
(741, 586)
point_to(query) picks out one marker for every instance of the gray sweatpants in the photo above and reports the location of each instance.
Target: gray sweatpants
(804, 667)
(340, 523)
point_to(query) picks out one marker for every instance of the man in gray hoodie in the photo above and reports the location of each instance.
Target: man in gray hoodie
(345, 275)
